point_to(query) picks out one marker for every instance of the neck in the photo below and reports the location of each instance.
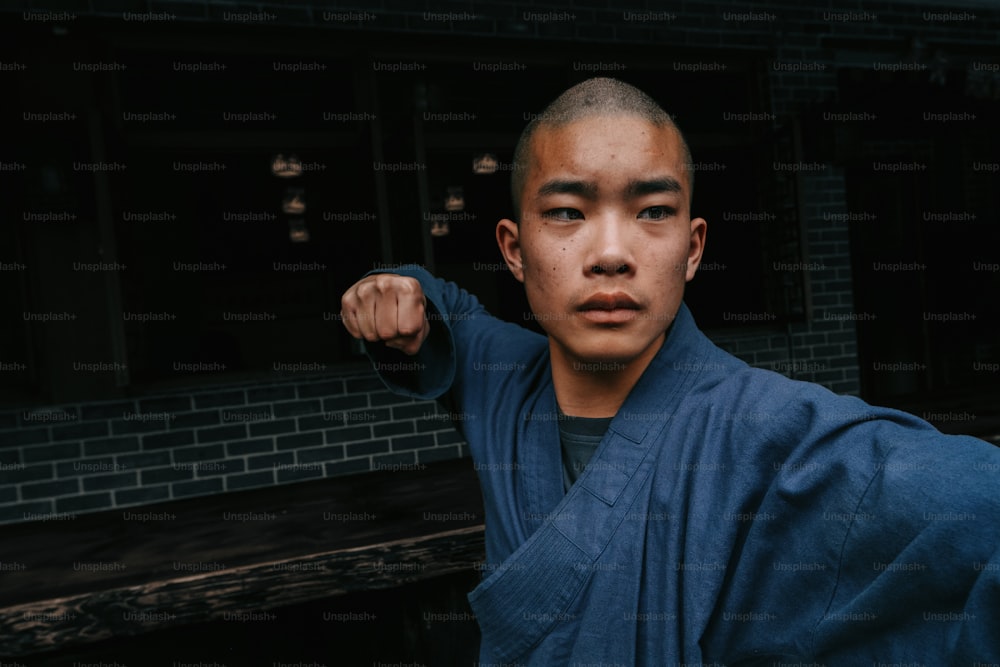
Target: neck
(602, 389)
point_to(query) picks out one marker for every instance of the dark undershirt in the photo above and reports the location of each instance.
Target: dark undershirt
(579, 437)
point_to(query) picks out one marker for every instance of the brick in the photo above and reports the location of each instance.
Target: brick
(363, 385)
(438, 454)
(106, 410)
(80, 431)
(199, 453)
(366, 416)
(299, 440)
(448, 437)
(269, 460)
(220, 399)
(250, 446)
(247, 414)
(342, 403)
(169, 439)
(248, 480)
(414, 410)
(218, 433)
(164, 475)
(217, 468)
(124, 427)
(365, 448)
(321, 389)
(60, 487)
(194, 419)
(396, 428)
(272, 427)
(23, 473)
(330, 453)
(121, 445)
(320, 422)
(87, 466)
(149, 460)
(270, 394)
(425, 425)
(24, 437)
(337, 435)
(198, 487)
(171, 404)
(52, 452)
(753, 345)
(46, 416)
(144, 495)
(842, 362)
(107, 482)
(349, 467)
(386, 398)
(94, 501)
(845, 387)
(23, 511)
(293, 408)
(412, 442)
(823, 351)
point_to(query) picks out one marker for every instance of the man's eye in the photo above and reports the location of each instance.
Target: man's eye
(565, 214)
(656, 213)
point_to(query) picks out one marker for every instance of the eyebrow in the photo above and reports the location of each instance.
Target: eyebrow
(588, 189)
(652, 187)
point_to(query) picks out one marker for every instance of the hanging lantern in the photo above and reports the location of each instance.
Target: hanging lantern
(455, 199)
(294, 202)
(484, 164)
(283, 167)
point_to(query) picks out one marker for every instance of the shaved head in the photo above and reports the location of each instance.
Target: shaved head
(600, 96)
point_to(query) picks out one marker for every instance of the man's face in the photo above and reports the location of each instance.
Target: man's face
(606, 242)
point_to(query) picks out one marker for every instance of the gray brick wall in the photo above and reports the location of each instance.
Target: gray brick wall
(83, 457)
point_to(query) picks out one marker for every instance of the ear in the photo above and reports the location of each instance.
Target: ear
(509, 240)
(699, 227)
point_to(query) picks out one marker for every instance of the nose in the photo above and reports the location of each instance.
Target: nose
(610, 250)
(601, 268)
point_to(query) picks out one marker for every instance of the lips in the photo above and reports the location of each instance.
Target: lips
(610, 309)
(609, 302)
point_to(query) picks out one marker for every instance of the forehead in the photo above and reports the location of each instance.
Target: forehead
(604, 148)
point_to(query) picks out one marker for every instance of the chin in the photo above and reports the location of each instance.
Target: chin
(604, 350)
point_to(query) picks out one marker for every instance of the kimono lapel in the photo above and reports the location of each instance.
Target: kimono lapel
(533, 590)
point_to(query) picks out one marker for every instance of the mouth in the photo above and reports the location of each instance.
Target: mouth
(613, 308)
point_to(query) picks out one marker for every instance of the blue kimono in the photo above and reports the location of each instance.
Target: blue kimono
(730, 516)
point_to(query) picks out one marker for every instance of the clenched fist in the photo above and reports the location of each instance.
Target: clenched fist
(386, 307)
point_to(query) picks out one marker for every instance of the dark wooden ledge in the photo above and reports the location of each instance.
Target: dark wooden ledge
(110, 574)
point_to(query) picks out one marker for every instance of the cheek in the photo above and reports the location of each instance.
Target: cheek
(544, 267)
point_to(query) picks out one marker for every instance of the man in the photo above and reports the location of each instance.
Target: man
(650, 499)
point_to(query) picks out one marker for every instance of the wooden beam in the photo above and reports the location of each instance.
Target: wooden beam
(247, 593)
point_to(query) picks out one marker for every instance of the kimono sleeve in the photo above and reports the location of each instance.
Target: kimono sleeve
(920, 568)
